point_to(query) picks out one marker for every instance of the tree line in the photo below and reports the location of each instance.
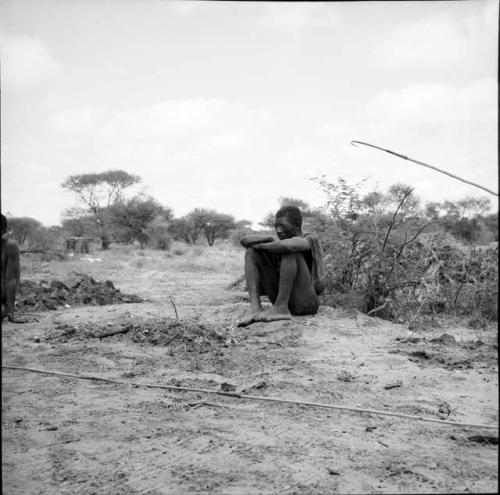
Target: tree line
(108, 215)
(112, 217)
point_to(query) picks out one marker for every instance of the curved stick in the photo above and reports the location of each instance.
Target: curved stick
(425, 165)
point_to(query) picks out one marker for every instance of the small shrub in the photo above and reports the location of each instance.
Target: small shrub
(158, 234)
(196, 251)
(179, 248)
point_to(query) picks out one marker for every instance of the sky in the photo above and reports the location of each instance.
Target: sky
(232, 105)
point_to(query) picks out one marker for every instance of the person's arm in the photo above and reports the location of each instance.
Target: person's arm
(253, 239)
(286, 246)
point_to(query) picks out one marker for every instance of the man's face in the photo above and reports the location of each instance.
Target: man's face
(284, 229)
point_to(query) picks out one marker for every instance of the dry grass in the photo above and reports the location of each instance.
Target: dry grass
(130, 262)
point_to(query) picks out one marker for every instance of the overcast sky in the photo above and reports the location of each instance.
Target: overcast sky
(231, 105)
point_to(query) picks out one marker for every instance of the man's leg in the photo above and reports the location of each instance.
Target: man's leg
(12, 277)
(261, 276)
(296, 294)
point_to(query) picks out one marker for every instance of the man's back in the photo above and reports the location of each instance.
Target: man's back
(316, 264)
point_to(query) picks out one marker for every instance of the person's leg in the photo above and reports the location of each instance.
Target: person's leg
(261, 273)
(12, 279)
(296, 293)
(303, 299)
(4, 300)
(11, 272)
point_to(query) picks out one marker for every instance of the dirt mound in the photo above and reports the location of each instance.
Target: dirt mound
(446, 352)
(196, 337)
(77, 290)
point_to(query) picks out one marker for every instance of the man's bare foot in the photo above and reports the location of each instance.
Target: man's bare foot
(253, 317)
(274, 314)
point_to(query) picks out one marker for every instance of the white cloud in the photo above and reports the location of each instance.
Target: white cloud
(434, 105)
(297, 16)
(211, 122)
(26, 63)
(74, 120)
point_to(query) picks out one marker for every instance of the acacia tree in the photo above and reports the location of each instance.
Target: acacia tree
(23, 228)
(100, 191)
(214, 225)
(217, 226)
(135, 214)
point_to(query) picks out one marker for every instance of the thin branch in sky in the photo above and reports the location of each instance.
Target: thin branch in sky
(354, 143)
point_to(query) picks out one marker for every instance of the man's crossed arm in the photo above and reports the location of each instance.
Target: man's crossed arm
(274, 245)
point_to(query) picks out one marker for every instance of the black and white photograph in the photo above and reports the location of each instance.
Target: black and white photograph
(249, 247)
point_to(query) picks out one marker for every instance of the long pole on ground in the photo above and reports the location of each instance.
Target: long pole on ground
(254, 397)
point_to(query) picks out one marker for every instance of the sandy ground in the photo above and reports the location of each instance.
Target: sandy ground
(70, 436)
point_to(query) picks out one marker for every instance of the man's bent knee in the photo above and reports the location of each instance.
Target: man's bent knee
(304, 306)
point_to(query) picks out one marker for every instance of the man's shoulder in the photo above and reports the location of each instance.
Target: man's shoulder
(311, 237)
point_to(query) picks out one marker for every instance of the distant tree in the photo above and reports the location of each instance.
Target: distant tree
(299, 203)
(78, 222)
(47, 238)
(374, 203)
(343, 201)
(268, 221)
(463, 218)
(197, 218)
(470, 207)
(135, 214)
(243, 224)
(182, 229)
(434, 210)
(411, 203)
(23, 228)
(304, 208)
(212, 224)
(491, 223)
(217, 227)
(100, 191)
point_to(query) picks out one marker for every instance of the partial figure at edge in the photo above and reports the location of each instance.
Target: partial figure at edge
(11, 274)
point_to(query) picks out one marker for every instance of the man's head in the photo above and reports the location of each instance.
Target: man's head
(4, 224)
(288, 222)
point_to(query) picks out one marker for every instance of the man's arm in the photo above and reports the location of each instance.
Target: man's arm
(286, 246)
(252, 239)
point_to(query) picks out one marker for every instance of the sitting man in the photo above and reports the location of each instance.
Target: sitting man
(10, 274)
(288, 269)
